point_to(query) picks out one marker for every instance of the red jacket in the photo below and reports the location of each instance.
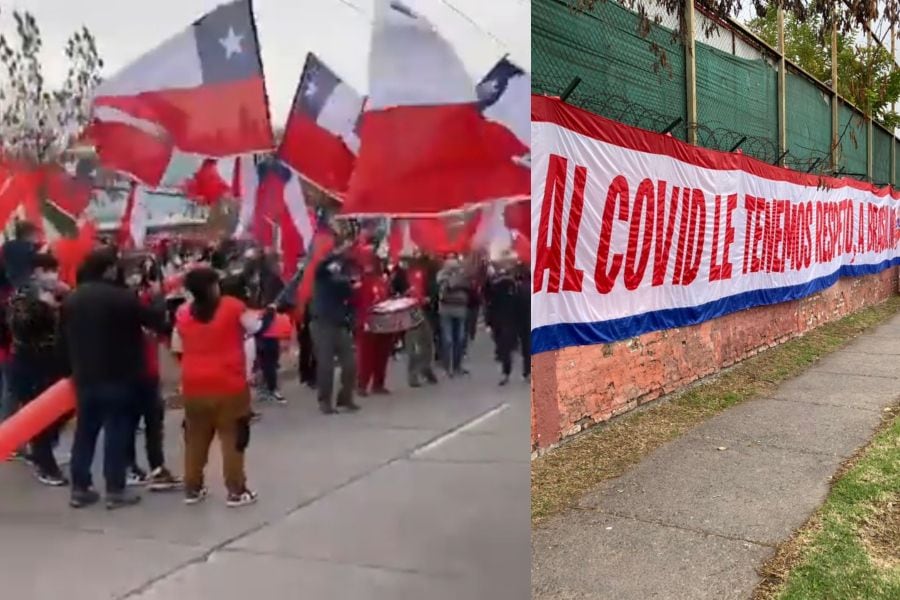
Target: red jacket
(417, 284)
(212, 362)
(372, 290)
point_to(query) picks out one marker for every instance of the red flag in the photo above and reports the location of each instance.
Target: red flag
(323, 243)
(206, 186)
(204, 86)
(425, 146)
(127, 149)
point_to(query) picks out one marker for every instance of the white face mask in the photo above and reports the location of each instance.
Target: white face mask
(133, 280)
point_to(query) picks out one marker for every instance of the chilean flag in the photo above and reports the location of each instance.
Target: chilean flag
(425, 147)
(281, 205)
(133, 228)
(203, 89)
(504, 97)
(320, 140)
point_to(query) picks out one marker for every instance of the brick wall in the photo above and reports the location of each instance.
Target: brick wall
(574, 388)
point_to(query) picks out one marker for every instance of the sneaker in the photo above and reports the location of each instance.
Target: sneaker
(121, 499)
(279, 397)
(161, 480)
(83, 498)
(349, 406)
(243, 499)
(56, 479)
(195, 496)
(504, 381)
(136, 477)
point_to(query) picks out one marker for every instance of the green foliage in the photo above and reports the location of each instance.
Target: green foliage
(867, 76)
(39, 121)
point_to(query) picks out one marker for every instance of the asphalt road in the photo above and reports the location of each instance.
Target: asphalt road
(420, 495)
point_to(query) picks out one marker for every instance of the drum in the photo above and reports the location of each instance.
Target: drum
(395, 316)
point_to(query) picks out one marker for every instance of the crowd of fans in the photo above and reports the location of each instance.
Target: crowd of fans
(213, 306)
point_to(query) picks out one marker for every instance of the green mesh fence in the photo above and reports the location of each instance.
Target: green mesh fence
(633, 79)
(640, 80)
(881, 156)
(808, 123)
(896, 163)
(852, 134)
(738, 95)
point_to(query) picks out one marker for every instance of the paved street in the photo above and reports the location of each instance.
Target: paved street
(422, 495)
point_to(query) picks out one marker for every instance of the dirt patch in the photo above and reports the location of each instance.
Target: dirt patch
(881, 534)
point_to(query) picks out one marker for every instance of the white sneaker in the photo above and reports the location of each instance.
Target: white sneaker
(242, 499)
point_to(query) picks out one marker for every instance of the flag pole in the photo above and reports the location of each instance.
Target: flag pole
(261, 69)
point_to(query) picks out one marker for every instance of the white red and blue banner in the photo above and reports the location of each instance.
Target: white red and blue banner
(636, 232)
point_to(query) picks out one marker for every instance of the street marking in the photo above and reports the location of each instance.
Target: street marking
(462, 428)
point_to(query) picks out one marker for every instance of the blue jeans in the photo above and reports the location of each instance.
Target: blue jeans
(110, 407)
(453, 342)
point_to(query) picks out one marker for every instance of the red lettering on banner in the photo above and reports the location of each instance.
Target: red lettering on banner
(749, 204)
(682, 235)
(573, 275)
(729, 236)
(715, 269)
(604, 277)
(777, 263)
(808, 247)
(663, 237)
(860, 230)
(791, 217)
(550, 258)
(693, 251)
(758, 244)
(641, 213)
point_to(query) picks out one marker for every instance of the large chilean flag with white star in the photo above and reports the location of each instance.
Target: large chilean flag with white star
(425, 146)
(320, 139)
(202, 91)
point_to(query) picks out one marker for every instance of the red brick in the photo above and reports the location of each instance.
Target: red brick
(575, 388)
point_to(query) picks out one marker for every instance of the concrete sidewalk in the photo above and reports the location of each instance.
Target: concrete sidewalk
(697, 517)
(423, 494)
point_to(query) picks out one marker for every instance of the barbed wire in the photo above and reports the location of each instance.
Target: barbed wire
(712, 135)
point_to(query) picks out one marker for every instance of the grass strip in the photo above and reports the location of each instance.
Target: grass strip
(850, 548)
(563, 475)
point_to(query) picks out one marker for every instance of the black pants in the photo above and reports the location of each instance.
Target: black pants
(307, 363)
(110, 407)
(28, 379)
(268, 351)
(151, 408)
(510, 335)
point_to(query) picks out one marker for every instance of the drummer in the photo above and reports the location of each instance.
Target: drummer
(372, 349)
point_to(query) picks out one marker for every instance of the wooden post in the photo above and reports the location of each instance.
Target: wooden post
(835, 102)
(690, 71)
(782, 89)
(870, 125)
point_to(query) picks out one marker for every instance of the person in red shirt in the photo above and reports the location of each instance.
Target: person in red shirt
(152, 407)
(209, 336)
(372, 349)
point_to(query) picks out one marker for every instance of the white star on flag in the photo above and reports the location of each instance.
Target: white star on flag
(488, 88)
(311, 89)
(231, 43)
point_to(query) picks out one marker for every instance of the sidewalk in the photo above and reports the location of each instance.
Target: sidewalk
(423, 494)
(696, 518)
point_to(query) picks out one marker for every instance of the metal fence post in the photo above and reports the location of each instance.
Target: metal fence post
(690, 71)
(782, 89)
(870, 126)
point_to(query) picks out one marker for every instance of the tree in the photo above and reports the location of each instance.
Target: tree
(848, 15)
(38, 121)
(867, 75)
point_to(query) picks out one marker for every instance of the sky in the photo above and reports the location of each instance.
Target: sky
(338, 31)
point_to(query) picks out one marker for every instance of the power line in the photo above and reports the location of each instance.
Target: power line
(474, 23)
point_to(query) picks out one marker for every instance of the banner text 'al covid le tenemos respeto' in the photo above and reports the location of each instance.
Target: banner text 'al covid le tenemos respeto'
(636, 232)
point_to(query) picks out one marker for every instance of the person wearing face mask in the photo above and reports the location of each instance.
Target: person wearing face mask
(102, 335)
(34, 364)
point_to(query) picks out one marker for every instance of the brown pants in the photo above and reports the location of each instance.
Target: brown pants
(204, 417)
